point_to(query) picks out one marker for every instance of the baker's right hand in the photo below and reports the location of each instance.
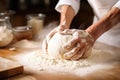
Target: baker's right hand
(80, 45)
(60, 28)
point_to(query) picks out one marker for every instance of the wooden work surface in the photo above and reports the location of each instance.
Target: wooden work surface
(32, 74)
(9, 68)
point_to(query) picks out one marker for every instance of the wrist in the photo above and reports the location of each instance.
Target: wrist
(67, 14)
(63, 25)
(91, 34)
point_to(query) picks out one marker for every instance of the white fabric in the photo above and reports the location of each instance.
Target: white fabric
(111, 37)
(117, 4)
(73, 3)
(100, 8)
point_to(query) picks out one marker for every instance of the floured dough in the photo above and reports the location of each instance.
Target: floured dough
(56, 44)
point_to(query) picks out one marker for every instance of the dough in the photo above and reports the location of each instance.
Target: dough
(56, 43)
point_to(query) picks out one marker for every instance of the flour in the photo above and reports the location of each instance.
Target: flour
(40, 61)
(24, 44)
(36, 22)
(6, 36)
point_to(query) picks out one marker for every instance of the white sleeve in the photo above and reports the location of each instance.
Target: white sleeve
(73, 3)
(117, 4)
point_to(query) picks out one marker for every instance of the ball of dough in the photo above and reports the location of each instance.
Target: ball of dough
(56, 43)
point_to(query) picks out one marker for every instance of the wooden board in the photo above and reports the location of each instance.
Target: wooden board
(9, 68)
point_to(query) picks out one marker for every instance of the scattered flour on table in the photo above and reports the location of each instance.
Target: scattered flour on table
(40, 61)
(23, 44)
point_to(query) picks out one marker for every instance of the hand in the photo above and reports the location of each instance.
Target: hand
(60, 28)
(82, 42)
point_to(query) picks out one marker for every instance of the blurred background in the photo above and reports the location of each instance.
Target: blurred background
(23, 7)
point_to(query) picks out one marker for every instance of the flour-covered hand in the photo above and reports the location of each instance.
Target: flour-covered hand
(82, 42)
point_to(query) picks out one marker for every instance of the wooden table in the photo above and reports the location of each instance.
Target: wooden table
(31, 74)
(9, 68)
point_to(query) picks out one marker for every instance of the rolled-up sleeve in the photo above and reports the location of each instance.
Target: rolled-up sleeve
(117, 4)
(73, 3)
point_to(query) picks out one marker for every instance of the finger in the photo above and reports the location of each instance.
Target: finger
(44, 46)
(70, 44)
(71, 53)
(68, 31)
(61, 28)
(76, 38)
(79, 54)
(50, 35)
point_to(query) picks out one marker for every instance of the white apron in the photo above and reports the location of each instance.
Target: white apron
(100, 8)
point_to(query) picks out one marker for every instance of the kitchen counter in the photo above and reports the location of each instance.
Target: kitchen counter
(16, 54)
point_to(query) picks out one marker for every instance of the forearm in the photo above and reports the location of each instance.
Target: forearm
(67, 14)
(104, 24)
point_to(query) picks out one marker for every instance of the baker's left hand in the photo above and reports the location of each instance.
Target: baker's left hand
(81, 44)
(59, 29)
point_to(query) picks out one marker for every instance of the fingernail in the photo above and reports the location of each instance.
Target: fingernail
(65, 46)
(67, 55)
(75, 59)
(80, 55)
